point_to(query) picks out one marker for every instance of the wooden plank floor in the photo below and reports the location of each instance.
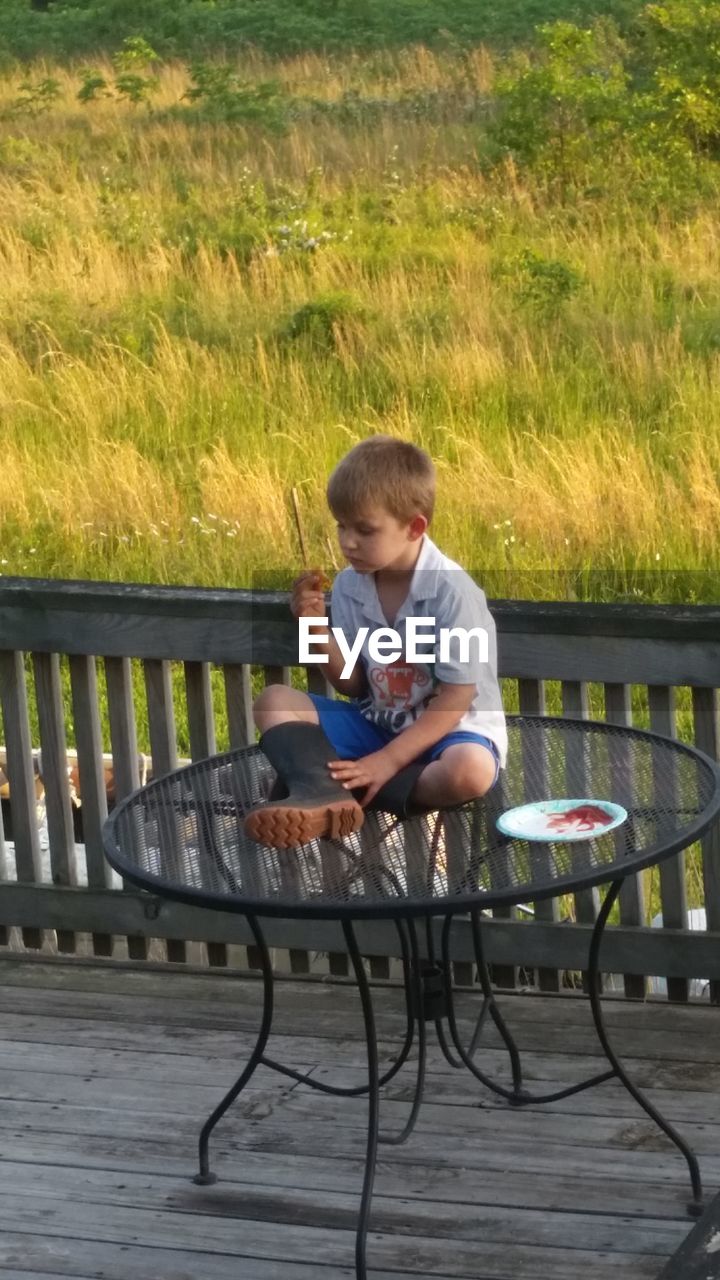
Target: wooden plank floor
(107, 1072)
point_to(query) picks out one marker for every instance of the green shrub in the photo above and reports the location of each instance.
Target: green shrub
(34, 99)
(224, 97)
(318, 321)
(204, 28)
(93, 86)
(542, 284)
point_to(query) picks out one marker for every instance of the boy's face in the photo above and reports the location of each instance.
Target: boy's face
(372, 539)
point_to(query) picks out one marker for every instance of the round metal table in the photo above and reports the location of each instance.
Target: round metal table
(182, 837)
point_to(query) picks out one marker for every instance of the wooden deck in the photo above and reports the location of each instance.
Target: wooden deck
(107, 1072)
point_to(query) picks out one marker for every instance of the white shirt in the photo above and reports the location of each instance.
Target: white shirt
(400, 691)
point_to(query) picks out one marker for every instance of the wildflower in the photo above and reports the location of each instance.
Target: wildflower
(194, 520)
(657, 555)
(496, 526)
(33, 551)
(508, 522)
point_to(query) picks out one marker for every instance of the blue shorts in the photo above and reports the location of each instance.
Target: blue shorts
(353, 736)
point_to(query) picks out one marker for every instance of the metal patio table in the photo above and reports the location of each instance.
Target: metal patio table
(182, 837)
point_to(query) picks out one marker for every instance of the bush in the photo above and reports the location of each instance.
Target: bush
(200, 28)
(318, 321)
(562, 110)
(34, 99)
(224, 97)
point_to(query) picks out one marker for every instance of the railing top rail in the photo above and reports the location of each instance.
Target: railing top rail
(545, 617)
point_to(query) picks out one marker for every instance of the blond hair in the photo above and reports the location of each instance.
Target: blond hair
(385, 472)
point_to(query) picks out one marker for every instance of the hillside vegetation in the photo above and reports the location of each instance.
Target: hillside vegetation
(219, 273)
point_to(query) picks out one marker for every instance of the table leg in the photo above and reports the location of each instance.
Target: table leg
(204, 1176)
(516, 1094)
(410, 967)
(373, 1099)
(521, 1097)
(695, 1206)
(414, 1002)
(439, 1028)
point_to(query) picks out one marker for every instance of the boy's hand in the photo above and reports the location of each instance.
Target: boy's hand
(371, 771)
(307, 599)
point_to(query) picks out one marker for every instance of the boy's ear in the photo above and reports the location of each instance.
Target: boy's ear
(417, 527)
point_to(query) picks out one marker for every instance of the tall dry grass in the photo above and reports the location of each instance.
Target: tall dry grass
(160, 391)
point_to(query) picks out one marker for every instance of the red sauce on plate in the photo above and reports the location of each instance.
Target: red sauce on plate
(586, 816)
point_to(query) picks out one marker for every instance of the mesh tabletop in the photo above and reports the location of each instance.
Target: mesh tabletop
(182, 836)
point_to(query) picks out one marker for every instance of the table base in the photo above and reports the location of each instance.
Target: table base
(429, 998)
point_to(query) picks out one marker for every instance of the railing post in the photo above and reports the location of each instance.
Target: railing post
(21, 775)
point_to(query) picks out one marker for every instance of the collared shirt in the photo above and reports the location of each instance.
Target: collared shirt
(400, 690)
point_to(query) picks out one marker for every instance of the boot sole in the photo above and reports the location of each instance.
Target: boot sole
(281, 826)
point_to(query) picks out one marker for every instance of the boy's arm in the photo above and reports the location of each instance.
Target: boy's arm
(356, 685)
(308, 601)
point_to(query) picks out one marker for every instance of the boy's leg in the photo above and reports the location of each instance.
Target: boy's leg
(465, 771)
(277, 704)
(306, 803)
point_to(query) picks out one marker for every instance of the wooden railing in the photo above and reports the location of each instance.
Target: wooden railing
(552, 657)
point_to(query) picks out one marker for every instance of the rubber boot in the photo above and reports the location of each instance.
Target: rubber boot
(394, 795)
(315, 805)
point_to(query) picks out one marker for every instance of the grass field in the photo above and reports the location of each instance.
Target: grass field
(196, 316)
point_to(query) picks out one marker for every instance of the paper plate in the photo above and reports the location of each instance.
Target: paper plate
(559, 820)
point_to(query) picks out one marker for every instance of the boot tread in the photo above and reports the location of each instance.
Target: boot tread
(282, 826)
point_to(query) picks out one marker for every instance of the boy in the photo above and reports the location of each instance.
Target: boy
(416, 735)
